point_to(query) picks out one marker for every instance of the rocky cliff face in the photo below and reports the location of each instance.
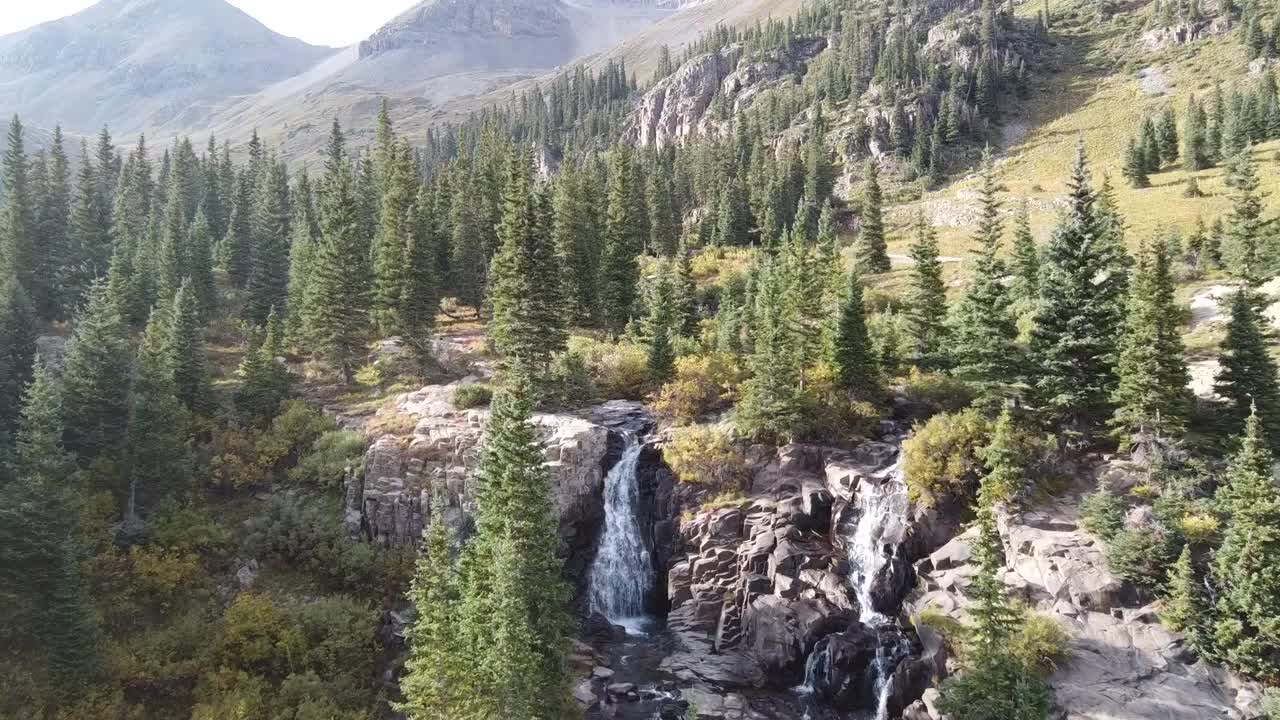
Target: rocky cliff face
(390, 502)
(434, 24)
(136, 63)
(1123, 664)
(679, 107)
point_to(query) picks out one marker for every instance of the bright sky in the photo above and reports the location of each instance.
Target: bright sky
(322, 22)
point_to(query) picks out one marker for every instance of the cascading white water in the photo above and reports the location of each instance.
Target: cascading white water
(882, 513)
(622, 573)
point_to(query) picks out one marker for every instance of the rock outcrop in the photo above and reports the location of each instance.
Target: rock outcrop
(1123, 665)
(1185, 32)
(390, 501)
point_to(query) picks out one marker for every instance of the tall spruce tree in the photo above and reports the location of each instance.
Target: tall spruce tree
(17, 349)
(158, 459)
(268, 283)
(340, 297)
(1248, 375)
(18, 216)
(926, 308)
(528, 310)
(1151, 394)
(661, 325)
(185, 345)
(872, 252)
(770, 406)
(619, 272)
(391, 242)
(513, 612)
(985, 344)
(1078, 322)
(1249, 252)
(200, 265)
(54, 262)
(1247, 630)
(852, 354)
(96, 381)
(438, 680)
(419, 301)
(1195, 142)
(1024, 260)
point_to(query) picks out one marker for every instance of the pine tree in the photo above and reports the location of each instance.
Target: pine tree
(1250, 256)
(90, 231)
(661, 325)
(17, 217)
(1195, 141)
(234, 252)
(38, 448)
(1149, 145)
(96, 381)
(420, 295)
(819, 177)
(1248, 375)
(994, 618)
(872, 253)
(1002, 457)
(1247, 630)
(1151, 393)
(68, 625)
(985, 335)
(185, 343)
(664, 225)
(1135, 165)
(17, 349)
(438, 681)
(392, 240)
(268, 284)
(852, 354)
(265, 382)
(1024, 261)
(1184, 606)
(466, 254)
(577, 242)
(1168, 136)
(926, 310)
(619, 272)
(340, 297)
(158, 456)
(1078, 322)
(513, 598)
(528, 311)
(302, 260)
(54, 261)
(200, 265)
(770, 398)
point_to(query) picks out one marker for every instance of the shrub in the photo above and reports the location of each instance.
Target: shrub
(705, 455)
(1139, 556)
(233, 461)
(325, 465)
(572, 386)
(702, 384)
(938, 391)
(618, 369)
(339, 635)
(1040, 643)
(725, 499)
(955, 633)
(940, 459)
(306, 534)
(472, 396)
(996, 690)
(189, 528)
(1271, 704)
(1102, 512)
(291, 434)
(370, 375)
(1199, 527)
(257, 636)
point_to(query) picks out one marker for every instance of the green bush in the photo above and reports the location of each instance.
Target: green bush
(1040, 644)
(996, 690)
(331, 454)
(702, 384)
(937, 391)
(618, 369)
(340, 640)
(940, 459)
(1140, 556)
(306, 534)
(705, 455)
(571, 383)
(1102, 512)
(291, 435)
(472, 396)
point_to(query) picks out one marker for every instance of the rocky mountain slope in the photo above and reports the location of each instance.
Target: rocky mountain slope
(137, 64)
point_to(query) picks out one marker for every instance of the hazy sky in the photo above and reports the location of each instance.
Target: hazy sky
(322, 22)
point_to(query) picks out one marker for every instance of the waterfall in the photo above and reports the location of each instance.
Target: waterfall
(622, 573)
(882, 510)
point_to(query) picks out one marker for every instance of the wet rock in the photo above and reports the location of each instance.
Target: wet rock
(849, 670)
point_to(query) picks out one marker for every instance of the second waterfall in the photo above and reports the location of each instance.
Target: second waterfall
(622, 574)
